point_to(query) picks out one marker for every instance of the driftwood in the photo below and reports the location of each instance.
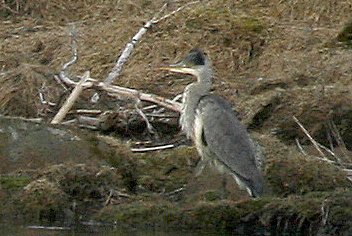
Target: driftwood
(86, 82)
(113, 90)
(116, 70)
(71, 100)
(129, 47)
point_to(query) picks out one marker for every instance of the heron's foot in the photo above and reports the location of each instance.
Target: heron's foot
(199, 168)
(224, 193)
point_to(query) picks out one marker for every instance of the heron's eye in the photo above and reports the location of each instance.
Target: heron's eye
(196, 58)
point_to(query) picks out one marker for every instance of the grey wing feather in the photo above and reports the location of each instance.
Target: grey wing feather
(227, 138)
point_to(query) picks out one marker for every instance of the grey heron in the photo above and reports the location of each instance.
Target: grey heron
(219, 136)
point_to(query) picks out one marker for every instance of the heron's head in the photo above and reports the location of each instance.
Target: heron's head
(195, 63)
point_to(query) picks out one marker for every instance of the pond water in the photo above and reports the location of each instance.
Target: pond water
(6, 230)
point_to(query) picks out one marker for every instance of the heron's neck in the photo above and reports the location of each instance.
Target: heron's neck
(205, 75)
(191, 97)
(205, 78)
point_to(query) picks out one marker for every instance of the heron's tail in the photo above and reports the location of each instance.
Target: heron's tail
(256, 189)
(253, 186)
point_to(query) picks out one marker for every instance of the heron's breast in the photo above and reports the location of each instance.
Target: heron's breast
(198, 134)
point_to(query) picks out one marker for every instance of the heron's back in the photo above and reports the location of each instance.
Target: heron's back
(220, 136)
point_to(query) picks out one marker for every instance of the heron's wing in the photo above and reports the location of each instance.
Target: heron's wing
(226, 137)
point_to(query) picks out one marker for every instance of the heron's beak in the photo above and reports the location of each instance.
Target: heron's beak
(178, 67)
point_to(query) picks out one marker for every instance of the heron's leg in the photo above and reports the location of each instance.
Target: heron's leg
(225, 193)
(199, 168)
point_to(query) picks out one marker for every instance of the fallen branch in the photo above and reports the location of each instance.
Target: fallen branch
(129, 47)
(70, 100)
(148, 149)
(132, 93)
(127, 92)
(35, 120)
(116, 70)
(106, 85)
(112, 90)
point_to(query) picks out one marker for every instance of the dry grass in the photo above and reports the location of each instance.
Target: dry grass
(288, 44)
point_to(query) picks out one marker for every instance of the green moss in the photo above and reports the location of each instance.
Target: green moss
(219, 18)
(167, 170)
(217, 215)
(301, 174)
(13, 183)
(138, 214)
(10, 187)
(213, 195)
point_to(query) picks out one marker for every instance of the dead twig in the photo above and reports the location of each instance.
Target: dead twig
(315, 143)
(85, 111)
(35, 120)
(70, 100)
(300, 147)
(112, 89)
(116, 70)
(63, 73)
(338, 139)
(331, 153)
(175, 99)
(149, 149)
(129, 47)
(127, 92)
(144, 117)
(324, 213)
(42, 97)
(323, 157)
(319, 146)
(174, 12)
(176, 191)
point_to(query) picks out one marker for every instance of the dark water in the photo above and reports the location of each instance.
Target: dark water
(6, 230)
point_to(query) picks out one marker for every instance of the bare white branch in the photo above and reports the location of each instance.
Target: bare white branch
(149, 149)
(324, 213)
(70, 100)
(112, 89)
(300, 147)
(127, 92)
(116, 70)
(174, 12)
(144, 117)
(63, 73)
(339, 140)
(315, 143)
